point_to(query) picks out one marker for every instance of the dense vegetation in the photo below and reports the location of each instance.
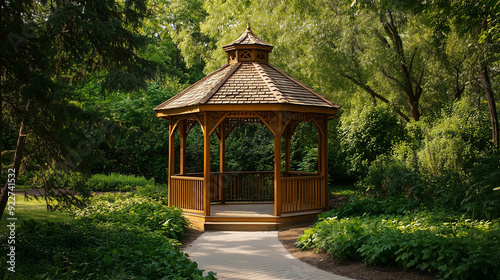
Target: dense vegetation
(417, 82)
(410, 78)
(393, 233)
(132, 236)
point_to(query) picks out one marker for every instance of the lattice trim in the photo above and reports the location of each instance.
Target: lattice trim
(261, 55)
(232, 123)
(245, 55)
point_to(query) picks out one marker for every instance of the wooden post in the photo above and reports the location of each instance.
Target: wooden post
(182, 131)
(278, 131)
(222, 162)
(324, 158)
(171, 160)
(207, 126)
(287, 151)
(320, 148)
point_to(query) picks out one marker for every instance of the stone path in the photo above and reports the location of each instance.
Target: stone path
(250, 255)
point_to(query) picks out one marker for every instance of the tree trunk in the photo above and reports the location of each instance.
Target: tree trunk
(411, 87)
(414, 111)
(18, 155)
(491, 105)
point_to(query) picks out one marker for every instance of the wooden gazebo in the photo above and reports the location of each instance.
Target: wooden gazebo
(247, 90)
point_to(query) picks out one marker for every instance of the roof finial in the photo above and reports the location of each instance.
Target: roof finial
(248, 26)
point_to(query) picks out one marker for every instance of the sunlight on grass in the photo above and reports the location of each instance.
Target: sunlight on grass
(348, 190)
(32, 209)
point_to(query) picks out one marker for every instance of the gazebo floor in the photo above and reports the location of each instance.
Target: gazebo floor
(248, 217)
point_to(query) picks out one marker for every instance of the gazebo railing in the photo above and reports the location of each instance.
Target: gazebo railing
(214, 184)
(186, 192)
(302, 193)
(249, 186)
(299, 173)
(242, 185)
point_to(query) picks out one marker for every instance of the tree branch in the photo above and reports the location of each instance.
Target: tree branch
(393, 79)
(411, 61)
(418, 88)
(368, 89)
(383, 40)
(332, 44)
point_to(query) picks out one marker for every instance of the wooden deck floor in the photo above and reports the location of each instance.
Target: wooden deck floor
(242, 210)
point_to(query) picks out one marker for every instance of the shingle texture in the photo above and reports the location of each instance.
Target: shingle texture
(248, 38)
(247, 83)
(196, 92)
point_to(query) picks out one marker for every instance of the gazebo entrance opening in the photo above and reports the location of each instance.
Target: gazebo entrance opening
(245, 184)
(248, 164)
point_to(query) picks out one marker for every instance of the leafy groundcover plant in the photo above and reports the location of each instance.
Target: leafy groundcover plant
(445, 244)
(130, 236)
(117, 182)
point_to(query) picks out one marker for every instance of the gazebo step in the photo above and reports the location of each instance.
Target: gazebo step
(248, 218)
(242, 226)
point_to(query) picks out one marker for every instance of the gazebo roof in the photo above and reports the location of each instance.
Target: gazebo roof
(247, 79)
(247, 38)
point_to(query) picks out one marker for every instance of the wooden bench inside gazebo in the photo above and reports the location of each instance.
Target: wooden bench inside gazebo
(247, 90)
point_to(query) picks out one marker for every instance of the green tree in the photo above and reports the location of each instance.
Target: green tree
(341, 47)
(49, 49)
(479, 25)
(142, 145)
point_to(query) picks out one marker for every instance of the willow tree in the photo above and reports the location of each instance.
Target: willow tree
(339, 47)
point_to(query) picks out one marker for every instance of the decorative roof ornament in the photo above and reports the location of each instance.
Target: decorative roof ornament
(248, 48)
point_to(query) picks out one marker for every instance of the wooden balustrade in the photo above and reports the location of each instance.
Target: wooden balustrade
(302, 193)
(249, 186)
(214, 184)
(299, 191)
(187, 192)
(300, 173)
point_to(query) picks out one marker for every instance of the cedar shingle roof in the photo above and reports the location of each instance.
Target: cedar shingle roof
(248, 38)
(248, 82)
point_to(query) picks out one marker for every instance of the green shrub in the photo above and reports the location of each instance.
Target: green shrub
(388, 177)
(453, 142)
(443, 244)
(154, 192)
(138, 213)
(123, 236)
(373, 207)
(116, 182)
(366, 133)
(481, 196)
(472, 192)
(443, 154)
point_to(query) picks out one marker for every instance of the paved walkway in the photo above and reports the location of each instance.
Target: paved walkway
(251, 255)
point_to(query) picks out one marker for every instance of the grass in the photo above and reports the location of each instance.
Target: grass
(31, 209)
(348, 190)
